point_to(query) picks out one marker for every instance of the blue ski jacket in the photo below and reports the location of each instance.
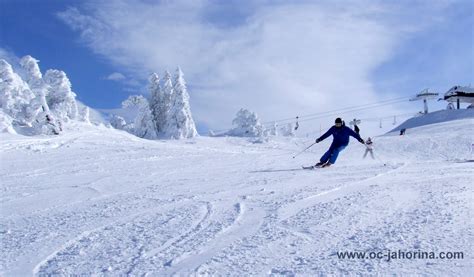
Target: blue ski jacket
(341, 136)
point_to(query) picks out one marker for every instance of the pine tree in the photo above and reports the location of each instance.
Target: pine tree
(143, 125)
(180, 123)
(60, 98)
(246, 124)
(166, 102)
(274, 130)
(15, 95)
(84, 115)
(158, 110)
(118, 122)
(6, 123)
(44, 122)
(30, 100)
(289, 131)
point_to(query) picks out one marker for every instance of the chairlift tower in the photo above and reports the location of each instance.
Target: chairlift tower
(425, 95)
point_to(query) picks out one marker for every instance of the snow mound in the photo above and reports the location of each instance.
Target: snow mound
(448, 141)
(6, 123)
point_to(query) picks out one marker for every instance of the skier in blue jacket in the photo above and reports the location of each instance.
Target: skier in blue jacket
(341, 134)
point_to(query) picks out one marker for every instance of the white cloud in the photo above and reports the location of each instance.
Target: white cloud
(116, 76)
(279, 60)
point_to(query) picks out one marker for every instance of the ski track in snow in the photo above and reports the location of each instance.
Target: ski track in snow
(118, 205)
(326, 196)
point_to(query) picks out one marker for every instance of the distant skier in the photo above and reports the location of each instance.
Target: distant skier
(341, 134)
(370, 148)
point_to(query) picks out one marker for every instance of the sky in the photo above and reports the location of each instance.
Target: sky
(279, 59)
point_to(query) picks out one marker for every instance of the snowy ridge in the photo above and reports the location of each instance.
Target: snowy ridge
(225, 206)
(435, 117)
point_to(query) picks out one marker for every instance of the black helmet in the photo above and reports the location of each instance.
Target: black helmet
(338, 120)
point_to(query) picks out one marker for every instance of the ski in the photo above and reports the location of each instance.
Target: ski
(315, 166)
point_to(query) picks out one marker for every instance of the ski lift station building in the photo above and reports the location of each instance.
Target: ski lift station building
(459, 94)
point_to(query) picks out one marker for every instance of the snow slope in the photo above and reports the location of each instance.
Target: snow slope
(101, 201)
(436, 117)
(95, 116)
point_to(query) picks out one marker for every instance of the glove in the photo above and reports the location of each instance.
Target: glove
(362, 141)
(318, 140)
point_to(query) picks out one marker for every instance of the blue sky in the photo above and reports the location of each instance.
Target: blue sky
(33, 28)
(278, 58)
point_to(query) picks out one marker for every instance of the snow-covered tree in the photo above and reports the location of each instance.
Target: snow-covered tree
(34, 79)
(157, 103)
(167, 114)
(44, 122)
(179, 123)
(39, 104)
(33, 75)
(167, 92)
(143, 125)
(84, 115)
(60, 98)
(274, 129)
(246, 124)
(15, 95)
(165, 105)
(262, 135)
(6, 123)
(118, 122)
(289, 130)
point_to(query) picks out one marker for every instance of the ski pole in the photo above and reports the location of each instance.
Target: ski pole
(304, 149)
(380, 160)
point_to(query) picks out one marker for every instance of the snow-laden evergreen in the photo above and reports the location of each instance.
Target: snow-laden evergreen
(26, 100)
(288, 130)
(180, 123)
(6, 123)
(60, 97)
(36, 104)
(156, 102)
(15, 95)
(43, 122)
(274, 129)
(32, 73)
(34, 79)
(246, 124)
(84, 115)
(118, 122)
(166, 115)
(167, 94)
(143, 125)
